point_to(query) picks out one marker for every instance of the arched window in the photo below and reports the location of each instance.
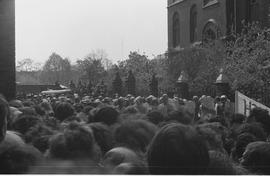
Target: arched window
(176, 30)
(211, 31)
(193, 23)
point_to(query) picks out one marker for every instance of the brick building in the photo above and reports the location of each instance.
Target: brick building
(191, 21)
(7, 48)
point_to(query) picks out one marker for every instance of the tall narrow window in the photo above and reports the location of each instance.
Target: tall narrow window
(193, 24)
(176, 30)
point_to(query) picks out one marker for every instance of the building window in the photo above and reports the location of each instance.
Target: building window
(176, 30)
(193, 24)
(207, 3)
(211, 32)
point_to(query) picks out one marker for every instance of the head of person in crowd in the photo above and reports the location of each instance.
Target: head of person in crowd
(164, 99)
(177, 149)
(220, 164)
(4, 115)
(18, 159)
(23, 123)
(75, 142)
(155, 117)
(256, 158)
(119, 155)
(103, 136)
(63, 111)
(135, 134)
(39, 136)
(261, 116)
(106, 115)
(253, 128)
(180, 117)
(46, 106)
(212, 138)
(240, 145)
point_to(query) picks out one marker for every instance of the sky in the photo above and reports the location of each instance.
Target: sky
(74, 28)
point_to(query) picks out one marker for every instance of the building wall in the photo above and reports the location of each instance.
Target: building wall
(216, 12)
(7, 48)
(225, 13)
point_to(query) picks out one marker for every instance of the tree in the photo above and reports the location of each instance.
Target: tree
(117, 84)
(131, 83)
(27, 65)
(154, 86)
(56, 69)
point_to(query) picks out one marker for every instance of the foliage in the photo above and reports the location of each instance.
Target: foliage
(27, 65)
(56, 69)
(131, 83)
(117, 84)
(154, 86)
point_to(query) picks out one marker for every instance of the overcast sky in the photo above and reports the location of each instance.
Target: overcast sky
(73, 28)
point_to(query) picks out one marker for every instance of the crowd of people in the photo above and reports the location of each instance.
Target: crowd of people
(69, 134)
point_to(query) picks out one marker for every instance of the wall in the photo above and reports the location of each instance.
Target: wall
(7, 48)
(216, 12)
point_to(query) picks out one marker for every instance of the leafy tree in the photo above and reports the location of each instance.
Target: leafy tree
(117, 84)
(56, 69)
(131, 83)
(154, 86)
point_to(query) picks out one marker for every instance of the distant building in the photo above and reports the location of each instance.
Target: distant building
(7, 48)
(191, 21)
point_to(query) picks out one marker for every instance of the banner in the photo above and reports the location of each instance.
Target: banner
(244, 104)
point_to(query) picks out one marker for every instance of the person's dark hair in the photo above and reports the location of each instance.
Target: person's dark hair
(135, 134)
(220, 164)
(39, 110)
(177, 149)
(23, 123)
(107, 115)
(240, 145)
(238, 118)
(78, 107)
(63, 111)
(179, 117)
(28, 103)
(4, 115)
(39, 136)
(75, 142)
(252, 128)
(155, 117)
(256, 158)
(262, 116)
(18, 159)
(103, 136)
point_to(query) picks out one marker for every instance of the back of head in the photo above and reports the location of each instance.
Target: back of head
(180, 117)
(107, 115)
(177, 149)
(18, 159)
(103, 136)
(155, 117)
(76, 141)
(261, 116)
(220, 164)
(23, 123)
(135, 134)
(240, 145)
(256, 158)
(253, 128)
(63, 111)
